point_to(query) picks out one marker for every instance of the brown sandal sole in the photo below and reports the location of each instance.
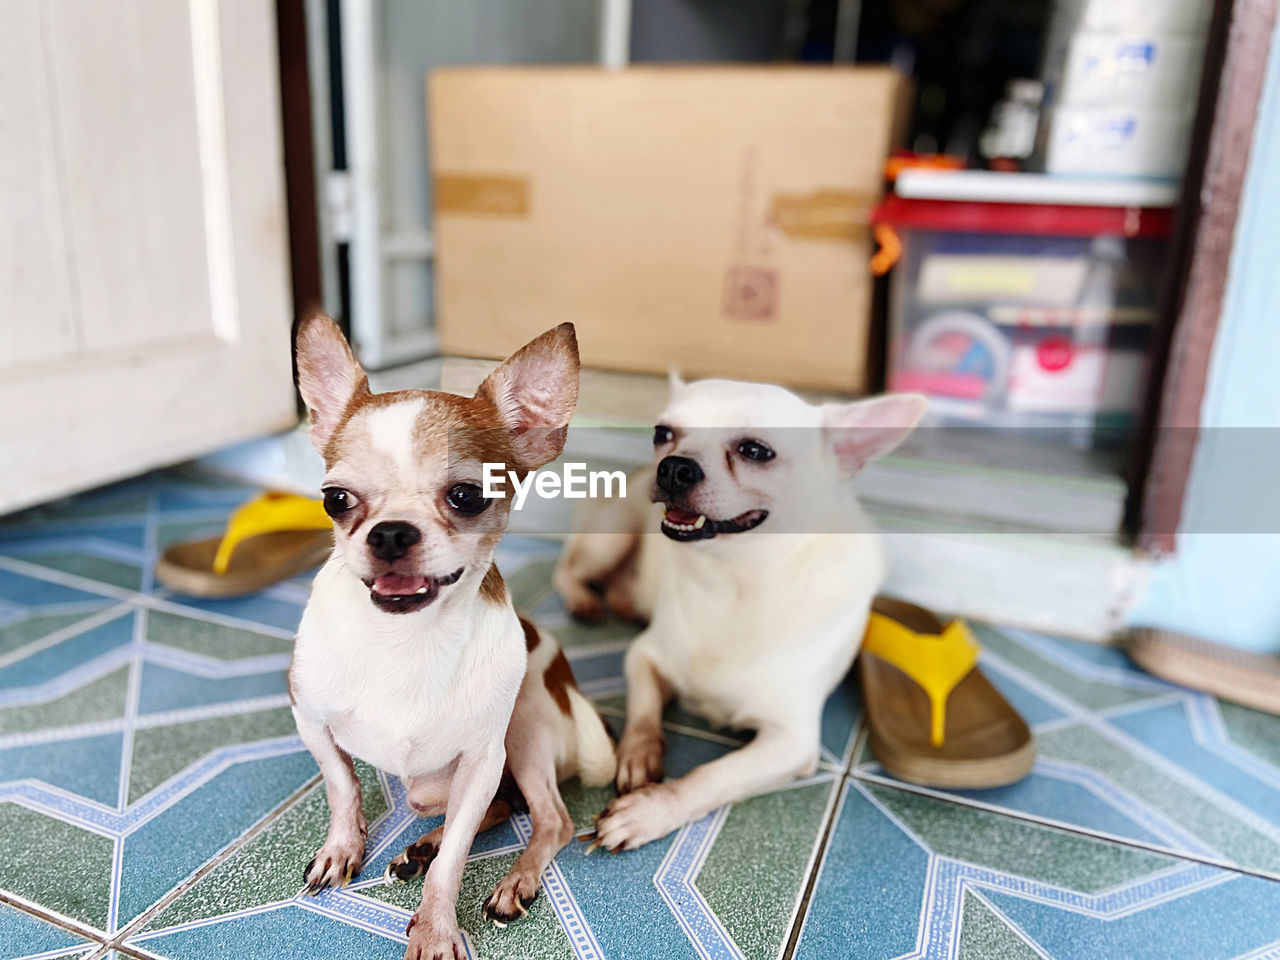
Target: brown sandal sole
(1251, 679)
(257, 563)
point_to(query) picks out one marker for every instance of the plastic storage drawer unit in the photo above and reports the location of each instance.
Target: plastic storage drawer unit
(1023, 315)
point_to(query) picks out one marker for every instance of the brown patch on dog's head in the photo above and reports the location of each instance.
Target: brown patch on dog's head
(531, 636)
(404, 481)
(493, 588)
(559, 678)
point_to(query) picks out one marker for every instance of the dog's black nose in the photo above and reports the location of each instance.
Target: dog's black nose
(678, 474)
(391, 539)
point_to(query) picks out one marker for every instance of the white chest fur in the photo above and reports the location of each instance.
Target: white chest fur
(764, 629)
(407, 693)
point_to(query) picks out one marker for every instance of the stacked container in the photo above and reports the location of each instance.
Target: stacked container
(1022, 315)
(1121, 79)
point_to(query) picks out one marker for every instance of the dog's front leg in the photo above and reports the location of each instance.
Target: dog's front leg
(433, 930)
(642, 746)
(776, 755)
(533, 765)
(343, 851)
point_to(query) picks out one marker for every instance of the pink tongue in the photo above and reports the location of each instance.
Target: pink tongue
(398, 585)
(676, 515)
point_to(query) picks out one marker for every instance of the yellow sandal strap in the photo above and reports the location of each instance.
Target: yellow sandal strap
(270, 513)
(936, 662)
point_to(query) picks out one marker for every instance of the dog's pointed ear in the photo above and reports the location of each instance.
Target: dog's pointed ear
(859, 432)
(535, 391)
(329, 377)
(675, 383)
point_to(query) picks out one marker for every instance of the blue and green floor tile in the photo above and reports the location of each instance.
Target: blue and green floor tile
(155, 801)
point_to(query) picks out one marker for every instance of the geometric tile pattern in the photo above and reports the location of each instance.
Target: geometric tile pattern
(1125, 755)
(155, 800)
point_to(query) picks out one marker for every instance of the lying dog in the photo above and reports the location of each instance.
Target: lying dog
(756, 597)
(410, 654)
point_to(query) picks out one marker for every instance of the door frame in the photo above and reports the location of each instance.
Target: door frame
(1237, 54)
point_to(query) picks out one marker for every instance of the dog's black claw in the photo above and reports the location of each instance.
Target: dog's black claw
(306, 871)
(492, 913)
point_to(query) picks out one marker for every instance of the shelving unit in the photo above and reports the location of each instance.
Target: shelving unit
(987, 186)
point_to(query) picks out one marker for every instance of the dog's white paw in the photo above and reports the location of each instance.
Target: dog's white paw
(637, 818)
(640, 761)
(433, 939)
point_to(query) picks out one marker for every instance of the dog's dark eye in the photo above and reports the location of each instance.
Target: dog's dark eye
(662, 434)
(338, 501)
(467, 499)
(755, 450)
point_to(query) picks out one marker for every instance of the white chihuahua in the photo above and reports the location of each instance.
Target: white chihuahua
(410, 654)
(756, 597)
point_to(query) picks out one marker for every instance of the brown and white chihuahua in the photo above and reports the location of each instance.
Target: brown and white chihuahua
(410, 654)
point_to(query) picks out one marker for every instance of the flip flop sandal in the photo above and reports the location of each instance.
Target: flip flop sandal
(271, 538)
(933, 718)
(1251, 679)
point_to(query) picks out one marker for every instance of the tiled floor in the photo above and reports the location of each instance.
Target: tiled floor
(155, 800)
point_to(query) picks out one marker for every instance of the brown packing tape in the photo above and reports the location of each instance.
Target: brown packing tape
(481, 194)
(822, 215)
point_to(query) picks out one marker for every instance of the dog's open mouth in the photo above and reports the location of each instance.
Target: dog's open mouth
(401, 593)
(685, 525)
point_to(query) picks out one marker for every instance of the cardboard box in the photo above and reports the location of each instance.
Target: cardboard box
(710, 219)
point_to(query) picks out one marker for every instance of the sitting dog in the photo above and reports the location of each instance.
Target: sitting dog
(410, 654)
(756, 597)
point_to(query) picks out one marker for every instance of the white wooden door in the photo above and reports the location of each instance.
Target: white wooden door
(144, 300)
